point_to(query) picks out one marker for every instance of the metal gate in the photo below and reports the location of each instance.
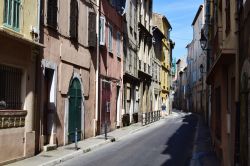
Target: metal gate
(75, 107)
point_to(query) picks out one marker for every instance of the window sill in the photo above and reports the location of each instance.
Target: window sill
(11, 31)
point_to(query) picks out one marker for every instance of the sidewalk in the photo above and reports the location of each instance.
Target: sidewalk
(203, 154)
(67, 152)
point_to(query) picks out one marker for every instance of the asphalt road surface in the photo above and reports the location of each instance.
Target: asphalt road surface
(168, 143)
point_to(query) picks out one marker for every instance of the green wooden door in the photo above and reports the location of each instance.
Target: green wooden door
(75, 107)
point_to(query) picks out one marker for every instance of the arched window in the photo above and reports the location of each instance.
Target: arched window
(74, 19)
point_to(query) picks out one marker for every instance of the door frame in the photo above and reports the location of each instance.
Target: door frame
(66, 109)
(48, 64)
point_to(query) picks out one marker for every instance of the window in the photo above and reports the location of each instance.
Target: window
(10, 87)
(12, 14)
(102, 31)
(52, 13)
(113, 3)
(228, 21)
(135, 15)
(73, 20)
(110, 39)
(130, 14)
(118, 44)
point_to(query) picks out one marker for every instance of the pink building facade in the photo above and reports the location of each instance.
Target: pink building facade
(67, 94)
(111, 67)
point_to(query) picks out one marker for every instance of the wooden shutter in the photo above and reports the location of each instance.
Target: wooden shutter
(92, 29)
(74, 19)
(52, 13)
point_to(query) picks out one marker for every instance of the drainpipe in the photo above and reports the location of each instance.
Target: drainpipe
(237, 88)
(97, 68)
(38, 19)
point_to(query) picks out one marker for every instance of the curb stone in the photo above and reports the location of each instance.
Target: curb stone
(74, 154)
(194, 160)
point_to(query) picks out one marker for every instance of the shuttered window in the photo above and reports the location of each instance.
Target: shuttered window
(228, 18)
(92, 29)
(12, 14)
(110, 39)
(102, 31)
(74, 19)
(10, 87)
(118, 44)
(52, 13)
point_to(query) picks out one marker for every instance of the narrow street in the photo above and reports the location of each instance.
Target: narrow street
(169, 143)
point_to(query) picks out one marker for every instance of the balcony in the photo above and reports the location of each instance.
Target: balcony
(219, 56)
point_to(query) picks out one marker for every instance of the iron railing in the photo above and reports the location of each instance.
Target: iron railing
(10, 87)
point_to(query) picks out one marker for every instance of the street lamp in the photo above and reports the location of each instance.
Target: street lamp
(203, 41)
(202, 69)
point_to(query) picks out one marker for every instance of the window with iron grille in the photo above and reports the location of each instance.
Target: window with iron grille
(52, 13)
(12, 14)
(10, 87)
(73, 20)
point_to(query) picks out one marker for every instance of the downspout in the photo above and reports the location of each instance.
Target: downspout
(97, 68)
(38, 19)
(208, 87)
(237, 88)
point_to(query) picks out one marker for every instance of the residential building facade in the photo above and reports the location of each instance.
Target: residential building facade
(243, 118)
(156, 66)
(111, 66)
(165, 61)
(178, 84)
(145, 57)
(19, 34)
(130, 78)
(223, 77)
(196, 58)
(67, 70)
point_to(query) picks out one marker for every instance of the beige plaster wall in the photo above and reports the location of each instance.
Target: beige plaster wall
(11, 144)
(28, 17)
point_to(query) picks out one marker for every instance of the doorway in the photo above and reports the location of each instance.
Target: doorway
(75, 108)
(49, 106)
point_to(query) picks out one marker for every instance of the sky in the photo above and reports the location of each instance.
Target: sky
(180, 14)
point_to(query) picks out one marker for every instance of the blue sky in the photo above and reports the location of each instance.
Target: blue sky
(180, 14)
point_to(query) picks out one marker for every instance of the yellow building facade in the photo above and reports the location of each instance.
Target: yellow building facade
(19, 49)
(165, 78)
